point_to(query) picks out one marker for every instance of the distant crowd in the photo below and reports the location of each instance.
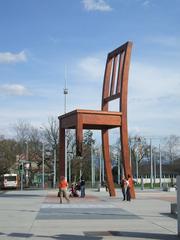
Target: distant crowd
(78, 189)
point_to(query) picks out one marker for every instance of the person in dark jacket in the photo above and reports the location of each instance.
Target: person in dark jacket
(82, 186)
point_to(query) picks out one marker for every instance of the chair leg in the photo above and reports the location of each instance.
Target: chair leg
(105, 148)
(79, 137)
(62, 151)
(125, 154)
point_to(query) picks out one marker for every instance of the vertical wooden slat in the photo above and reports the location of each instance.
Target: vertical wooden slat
(119, 77)
(124, 81)
(113, 75)
(106, 83)
(61, 150)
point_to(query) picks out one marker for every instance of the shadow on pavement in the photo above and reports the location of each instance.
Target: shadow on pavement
(75, 237)
(29, 192)
(58, 237)
(98, 235)
(174, 216)
(143, 235)
(11, 195)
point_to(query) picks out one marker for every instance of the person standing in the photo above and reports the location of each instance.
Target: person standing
(129, 186)
(123, 187)
(82, 186)
(63, 185)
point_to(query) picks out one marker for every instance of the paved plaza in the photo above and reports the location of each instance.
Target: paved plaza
(37, 214)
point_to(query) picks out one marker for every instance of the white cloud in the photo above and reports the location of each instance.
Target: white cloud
(96, 5)
(13, 89)
(151, 82)
(8, 57)
(146, 3)
(35, 116)
(154, 98)
(91, 67)
(54, 40)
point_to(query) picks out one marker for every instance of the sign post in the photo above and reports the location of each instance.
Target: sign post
(178, 203)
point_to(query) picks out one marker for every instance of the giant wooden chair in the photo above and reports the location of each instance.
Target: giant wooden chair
(115, 86)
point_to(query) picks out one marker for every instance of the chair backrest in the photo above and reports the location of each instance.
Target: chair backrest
(116, 77)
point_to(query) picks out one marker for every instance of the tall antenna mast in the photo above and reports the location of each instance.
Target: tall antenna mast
(65, 96)
(65, 88)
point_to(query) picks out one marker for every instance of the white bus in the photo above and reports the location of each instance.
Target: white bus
(8, 181)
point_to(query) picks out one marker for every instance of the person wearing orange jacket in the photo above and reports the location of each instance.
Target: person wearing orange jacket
(123, 184)
(129, 186)
(63, 185)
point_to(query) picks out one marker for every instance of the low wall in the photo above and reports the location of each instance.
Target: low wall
(157, 180)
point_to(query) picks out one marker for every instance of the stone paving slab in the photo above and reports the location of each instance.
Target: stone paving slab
(72, 213)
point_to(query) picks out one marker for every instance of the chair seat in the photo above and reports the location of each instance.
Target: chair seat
(91, 119)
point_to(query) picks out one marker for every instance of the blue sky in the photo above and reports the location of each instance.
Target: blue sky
(39, 38)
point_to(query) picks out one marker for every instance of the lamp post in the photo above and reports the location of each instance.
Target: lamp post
(69, 161)
(103, 177)
(100, 166)
(43, 166)
(92, 167)
(65, 102)
(135, 145)
(119, 164)
(22, 172)
(151, 163)
(160, 167)
(130, 155)
(27, 164)
(54, 169)
(137, 167)
(43, 158)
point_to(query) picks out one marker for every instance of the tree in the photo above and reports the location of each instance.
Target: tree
(29, 142)
(138, 153)
(171, 147)
(50, 136)
(82, 164)
(51, 133)
(8, 151)
(139, 150)
(73, 163)
(88, 143)
(22, 130)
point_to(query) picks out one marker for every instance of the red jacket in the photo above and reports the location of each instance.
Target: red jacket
(63, 184)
